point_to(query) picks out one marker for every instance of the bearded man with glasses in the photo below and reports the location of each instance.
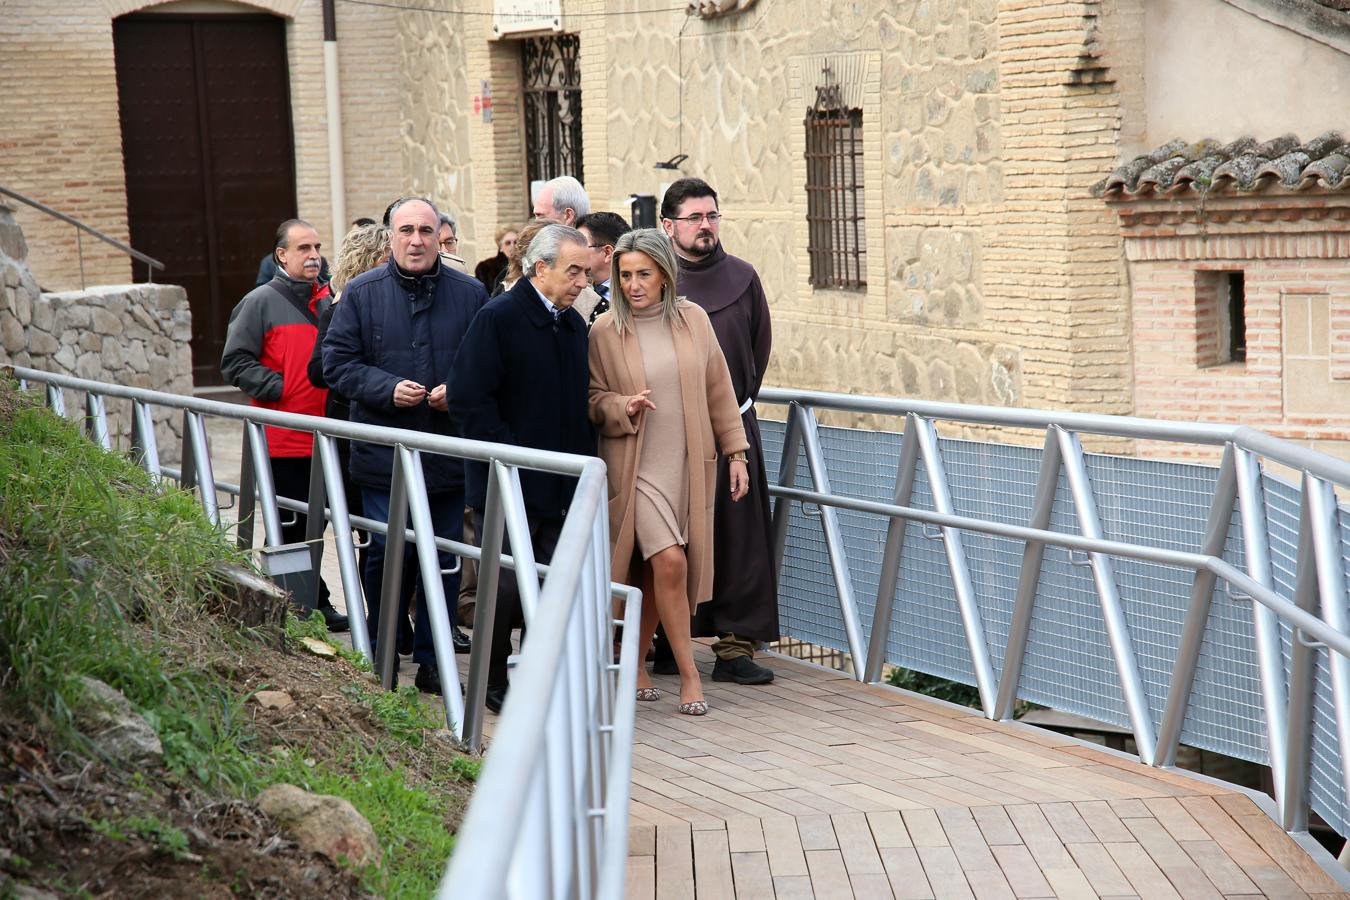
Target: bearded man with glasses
(743, 611)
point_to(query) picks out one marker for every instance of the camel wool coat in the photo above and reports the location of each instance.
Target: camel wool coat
(711, 421)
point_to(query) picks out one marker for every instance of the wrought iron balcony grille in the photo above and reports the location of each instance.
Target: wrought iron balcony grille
(552, 88)
(837, 234)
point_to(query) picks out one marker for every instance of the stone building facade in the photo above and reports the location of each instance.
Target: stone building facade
(133, 335)
(992, 273)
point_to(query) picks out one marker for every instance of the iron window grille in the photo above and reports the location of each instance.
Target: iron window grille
(837, 236)
(552, 92)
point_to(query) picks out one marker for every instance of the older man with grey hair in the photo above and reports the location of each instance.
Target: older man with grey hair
(562, 200)
(522, 378)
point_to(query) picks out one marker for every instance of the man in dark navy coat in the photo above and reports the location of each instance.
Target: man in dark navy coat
(522, 378)
(390, 349)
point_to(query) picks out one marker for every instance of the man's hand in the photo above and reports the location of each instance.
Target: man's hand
(409, 393)
(637, 403)
(437, 399)
(740, 479)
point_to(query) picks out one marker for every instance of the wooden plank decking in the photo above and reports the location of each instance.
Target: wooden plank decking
(816, 786)
(819, 787)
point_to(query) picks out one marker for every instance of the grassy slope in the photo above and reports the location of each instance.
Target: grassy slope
(102, 575)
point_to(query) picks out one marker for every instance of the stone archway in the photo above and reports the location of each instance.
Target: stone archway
(286, 8)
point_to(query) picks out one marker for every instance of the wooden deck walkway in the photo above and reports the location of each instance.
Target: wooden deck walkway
(817, 786)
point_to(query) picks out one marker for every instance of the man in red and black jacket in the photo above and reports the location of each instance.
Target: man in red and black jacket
(267, 348)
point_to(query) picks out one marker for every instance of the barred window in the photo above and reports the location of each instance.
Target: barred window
(837, 242)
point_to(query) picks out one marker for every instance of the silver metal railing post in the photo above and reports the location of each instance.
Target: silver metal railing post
(522, 545)
(787, 476)
(391, 586)
(248, 493)
(1302, 671)
(1330, 562)
(893, 556)
(255, 445)
(56, 400)
(971, 620)
(1028, 577)
(1265, 624)
(557, 776)
(433, 588)
(327, 458)
(144, 445)
(96, 420)
(202, 476)
(490, 531)
(315, 521)
(834, 543)
(1197, 614)
(1103, 575)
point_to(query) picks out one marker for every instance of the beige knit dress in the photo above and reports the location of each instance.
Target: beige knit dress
(661, 507)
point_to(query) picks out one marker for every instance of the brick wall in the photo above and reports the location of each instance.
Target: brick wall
(60, 142)
(62, 145)
(1294, 254)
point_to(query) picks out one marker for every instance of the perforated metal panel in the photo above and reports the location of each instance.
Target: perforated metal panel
(1068, 664)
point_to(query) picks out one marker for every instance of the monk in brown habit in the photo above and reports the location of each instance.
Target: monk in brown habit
(743, 610)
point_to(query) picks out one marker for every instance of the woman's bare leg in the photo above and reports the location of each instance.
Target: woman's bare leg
(650, 619)
(670, 572)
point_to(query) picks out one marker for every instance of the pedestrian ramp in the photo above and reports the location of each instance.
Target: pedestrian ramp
(817, 786)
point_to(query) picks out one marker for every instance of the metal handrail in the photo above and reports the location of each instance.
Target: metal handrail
(1269, 446)
(1285, 702)
(150, 262)
(562, 752)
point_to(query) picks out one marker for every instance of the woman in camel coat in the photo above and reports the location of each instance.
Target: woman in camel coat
(662, 400)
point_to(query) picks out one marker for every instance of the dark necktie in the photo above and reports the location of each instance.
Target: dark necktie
(603, 291)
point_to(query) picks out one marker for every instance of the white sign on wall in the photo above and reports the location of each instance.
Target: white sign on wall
(515, 16)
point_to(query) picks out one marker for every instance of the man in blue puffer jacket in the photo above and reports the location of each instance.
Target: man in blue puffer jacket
(390, 349)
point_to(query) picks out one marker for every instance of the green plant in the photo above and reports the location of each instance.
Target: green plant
(410, 822)
(467, 768)
(106, 829)
(313, 626)
(90, 546)
(933, 686)
(166, 837)
(402, 714)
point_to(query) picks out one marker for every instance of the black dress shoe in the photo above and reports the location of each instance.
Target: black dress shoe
(335, 620)
(428, 680)
(742, 670)
(496, 696)
(463, 643)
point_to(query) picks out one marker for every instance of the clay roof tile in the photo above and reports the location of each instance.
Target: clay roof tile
(1281, 163)
(1330, 170)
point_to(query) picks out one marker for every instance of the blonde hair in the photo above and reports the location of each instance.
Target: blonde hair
(503, 232)
(362, 250)
(516, 267)
(655, 244)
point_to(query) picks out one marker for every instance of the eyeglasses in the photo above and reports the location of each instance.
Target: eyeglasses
(598, 246)
(710, 218)
(449, 243)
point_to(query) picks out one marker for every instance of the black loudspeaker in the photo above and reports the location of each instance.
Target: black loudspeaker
(643, 210)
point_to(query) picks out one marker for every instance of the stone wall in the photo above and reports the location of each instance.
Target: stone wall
(133, 334)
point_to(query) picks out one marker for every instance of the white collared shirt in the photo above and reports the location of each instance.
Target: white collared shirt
(553, 311)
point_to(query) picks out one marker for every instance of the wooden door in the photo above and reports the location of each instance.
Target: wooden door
(209, 155)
